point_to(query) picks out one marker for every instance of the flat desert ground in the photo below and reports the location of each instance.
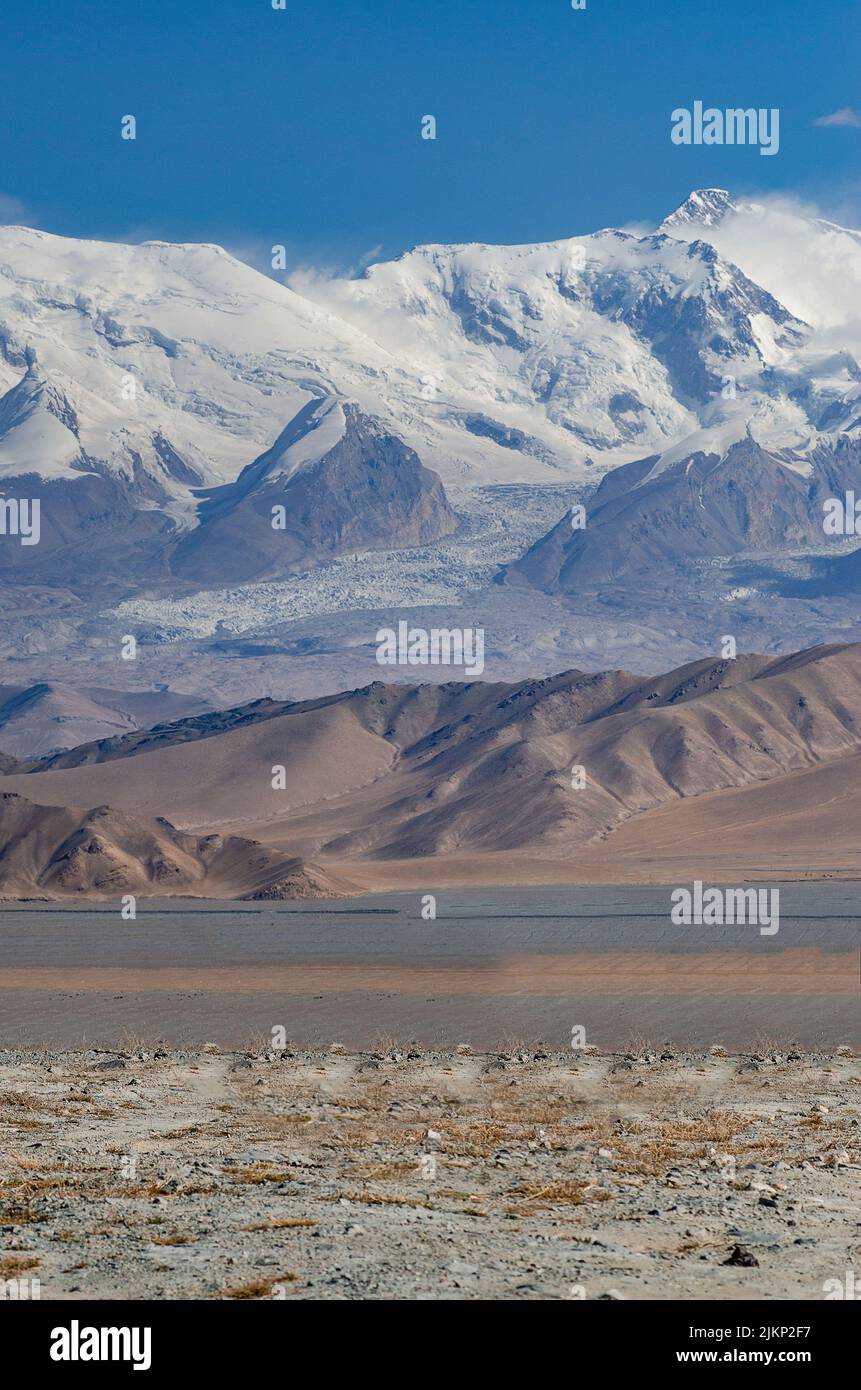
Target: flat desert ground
(654, 1173)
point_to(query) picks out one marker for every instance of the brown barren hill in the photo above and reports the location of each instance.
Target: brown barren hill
(397, 774)
(59, 851)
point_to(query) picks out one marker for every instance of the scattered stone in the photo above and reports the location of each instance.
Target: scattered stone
(237, 1179)
(742, 1257)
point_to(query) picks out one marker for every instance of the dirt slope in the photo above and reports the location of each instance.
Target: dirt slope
(55, 851)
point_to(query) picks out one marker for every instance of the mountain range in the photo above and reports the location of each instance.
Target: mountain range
(152, 389)
(406, 785)
(251, 476)
(45, 718)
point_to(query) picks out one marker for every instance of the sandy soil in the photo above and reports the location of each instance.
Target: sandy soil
(613, 863)
(407, 1174)
(799, 971)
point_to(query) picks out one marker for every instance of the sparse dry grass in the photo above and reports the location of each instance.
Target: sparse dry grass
(358, 1137)
(717, 1127)
(696, 1243)
(259, 1173)
(641, 1045)
(13, 1266)
(260, 1288)
(267, 1126)
(19, 1216)
(378, 1199)
(335, 1136)
(22, 1098)
(28, 1187)
(280, 1223)
(547, 1194)
(386, 1172)
(162, 1190)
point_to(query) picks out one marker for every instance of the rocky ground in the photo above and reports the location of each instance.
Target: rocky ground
(406, 1174)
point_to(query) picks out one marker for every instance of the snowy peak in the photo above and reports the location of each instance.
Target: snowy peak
(38, 429)
(610, 343)
(700, 315)
(709, 500)
(34, 392)
(314, 433)
(812, 266)
(176, 342)
(705, 206)
(496, 364)
(309, 436)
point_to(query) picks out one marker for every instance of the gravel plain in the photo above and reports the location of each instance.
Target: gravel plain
(403, 1173)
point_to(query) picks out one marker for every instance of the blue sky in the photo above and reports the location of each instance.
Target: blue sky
(301, 126)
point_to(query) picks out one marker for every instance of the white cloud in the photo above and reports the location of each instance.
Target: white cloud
(311, 279)
(810, 264)
(14, 212)
(367, 257)
(845, 116)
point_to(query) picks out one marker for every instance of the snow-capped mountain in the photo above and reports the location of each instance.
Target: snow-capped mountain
(705, 207)
(596, 349)
(810, 265)
(38, 430)
(178, 340)
(495, 363)
(153, 391)
(753, 478)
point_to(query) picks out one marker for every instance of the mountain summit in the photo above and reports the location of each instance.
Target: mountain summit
(705, 206)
